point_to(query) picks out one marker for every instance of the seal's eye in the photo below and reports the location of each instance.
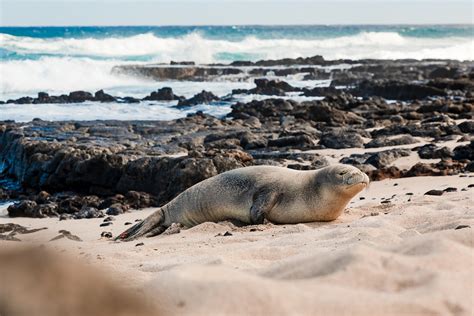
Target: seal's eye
(342, 172)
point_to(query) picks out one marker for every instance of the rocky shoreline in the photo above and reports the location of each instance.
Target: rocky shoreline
(84, 169)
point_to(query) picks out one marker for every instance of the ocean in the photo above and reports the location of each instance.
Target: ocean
(62, 59)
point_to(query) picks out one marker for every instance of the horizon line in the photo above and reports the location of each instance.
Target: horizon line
(203, 25)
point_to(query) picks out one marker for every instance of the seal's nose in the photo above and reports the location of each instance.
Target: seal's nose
(358, 177)
(366, 178)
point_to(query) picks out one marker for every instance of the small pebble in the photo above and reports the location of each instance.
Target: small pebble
(434, 192)
(224, 234)
(106, 234)
(127, 223)
(409, 193)
(139, 244)
(450, 189)
(105, 224)
(109, 219)
(471, 186)
(462, 226)
(395, 184)
(361, 198)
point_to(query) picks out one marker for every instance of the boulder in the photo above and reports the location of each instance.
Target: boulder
(431, 151)
(340, 138)
(163, 94)
(464, 152)
(396, 90)
(388, 142)
(80, 96)
(204, 97)
(103, 97)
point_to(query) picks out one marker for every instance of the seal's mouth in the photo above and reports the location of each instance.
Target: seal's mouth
(363, 185)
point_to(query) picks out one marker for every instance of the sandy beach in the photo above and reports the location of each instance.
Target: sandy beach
(411, 256)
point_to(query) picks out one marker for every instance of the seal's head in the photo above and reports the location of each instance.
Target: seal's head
(345, 180)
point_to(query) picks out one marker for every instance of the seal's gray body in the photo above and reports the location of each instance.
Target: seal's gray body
(250, 194)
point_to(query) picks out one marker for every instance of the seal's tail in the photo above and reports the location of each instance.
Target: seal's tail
(150, 226)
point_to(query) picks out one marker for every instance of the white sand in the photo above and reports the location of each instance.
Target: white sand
(405, 259)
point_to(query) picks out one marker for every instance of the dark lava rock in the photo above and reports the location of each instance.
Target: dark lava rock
(129, 100)
(106, 235)
(356, 159)
(464, 152)
(43, 97)
(46, 210)
(103, 97)
(42, 197)
(22, 100)
(137, 199)
(396, 90)
(299, 141)
(385, 141)
(182, 63)
(467, 127)
(139, 244)
(105, 224)
(116, 209)
(204, 97)
(74, 204)
(109, 201)
(163, 94)
(23, 208)
(443, 72)
(252, 141)
(385, 158)
(88, 212)
(391, 172)
(470, 166)
(450, 189)
(271, 87)
(431, 151)
(263, 110)
(323, 112)
(462, 227)
(226, 234)
(435, 192)
(341, 139)
(442, 168)
(80, 96)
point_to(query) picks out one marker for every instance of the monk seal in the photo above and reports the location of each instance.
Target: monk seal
(252, 194)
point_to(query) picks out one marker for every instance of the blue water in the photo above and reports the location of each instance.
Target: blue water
(237, 33)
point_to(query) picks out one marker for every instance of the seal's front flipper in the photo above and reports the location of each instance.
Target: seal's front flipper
(149, 225)
(263, 202)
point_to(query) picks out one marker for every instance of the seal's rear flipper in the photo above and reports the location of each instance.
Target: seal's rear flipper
(150, 226)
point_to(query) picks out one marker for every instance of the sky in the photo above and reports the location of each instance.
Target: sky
(227, 12)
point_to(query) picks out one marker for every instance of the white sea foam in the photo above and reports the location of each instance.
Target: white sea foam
(197, 48)
(59, 74)
(85, 64)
